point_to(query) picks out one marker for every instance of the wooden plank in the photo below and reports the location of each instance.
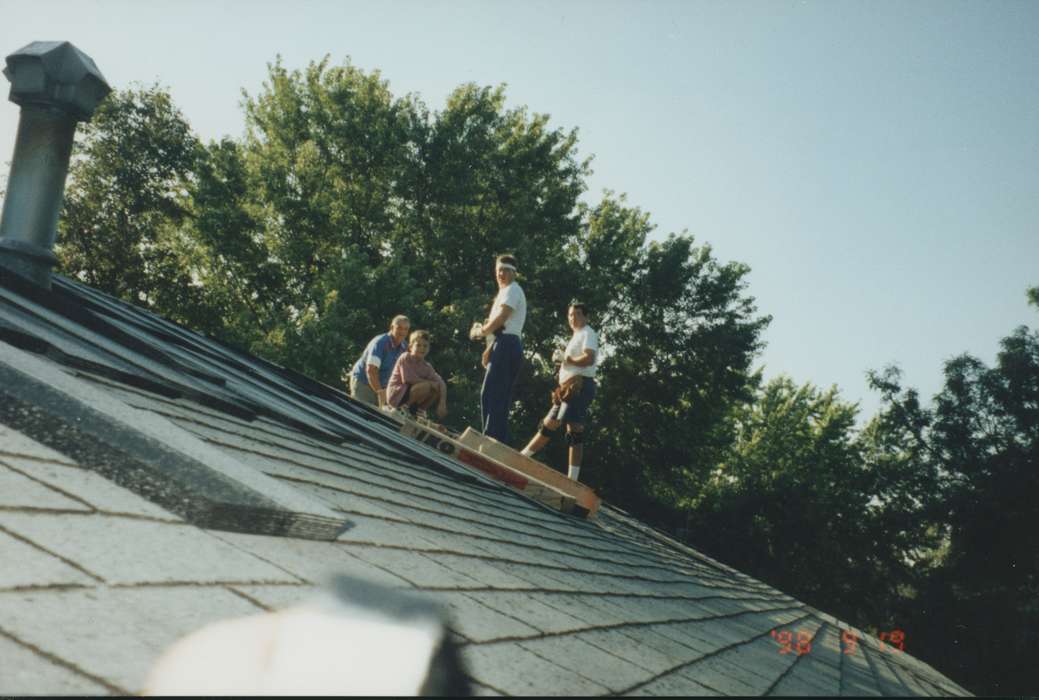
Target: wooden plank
(526, 484)
(585, 497)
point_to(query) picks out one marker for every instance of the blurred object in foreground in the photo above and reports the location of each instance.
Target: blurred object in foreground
(356, 638)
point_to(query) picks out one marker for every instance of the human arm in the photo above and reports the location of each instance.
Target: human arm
(586, 358)
(498, 321)
(373, 366)
(372, 372)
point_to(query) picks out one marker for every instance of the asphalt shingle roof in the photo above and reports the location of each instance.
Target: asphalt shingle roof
(101, 573)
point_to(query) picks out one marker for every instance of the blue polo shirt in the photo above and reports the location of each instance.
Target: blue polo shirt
(381, 353)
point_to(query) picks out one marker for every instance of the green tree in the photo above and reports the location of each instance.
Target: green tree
(319, 171)
(682, 334)
(796, 503)
(127, 196)
(977, 611)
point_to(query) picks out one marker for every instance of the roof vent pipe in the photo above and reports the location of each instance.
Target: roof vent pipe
(56, 85)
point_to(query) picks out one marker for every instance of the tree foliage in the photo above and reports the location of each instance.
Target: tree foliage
(128, 196)
(977, 448)
(799, 501)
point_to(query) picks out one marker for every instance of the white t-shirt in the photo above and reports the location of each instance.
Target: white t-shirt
(583, 339)
(513, 297)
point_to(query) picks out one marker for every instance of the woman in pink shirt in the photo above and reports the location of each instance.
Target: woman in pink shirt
(414, 384)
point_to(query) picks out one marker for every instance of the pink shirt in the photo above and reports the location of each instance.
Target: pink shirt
(408, 370)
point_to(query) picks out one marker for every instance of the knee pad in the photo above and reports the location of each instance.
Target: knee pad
(574, 437)
(547, 432)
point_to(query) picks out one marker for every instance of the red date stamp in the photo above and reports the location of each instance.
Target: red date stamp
(800, 641)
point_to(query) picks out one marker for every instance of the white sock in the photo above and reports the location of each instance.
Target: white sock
(526, 452)
(575, 469)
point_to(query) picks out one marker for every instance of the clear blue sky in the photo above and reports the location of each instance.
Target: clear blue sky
(875, 163)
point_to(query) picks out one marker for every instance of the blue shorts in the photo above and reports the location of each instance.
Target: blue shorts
(574, 411)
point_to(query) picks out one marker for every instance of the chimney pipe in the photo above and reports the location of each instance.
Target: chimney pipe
(56, 85)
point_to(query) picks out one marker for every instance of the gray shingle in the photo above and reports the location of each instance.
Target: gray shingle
(115, 633)
(517, 671)
(387, 533)
(346, 502)
(147, 552)
(308, 560)
(570, 651)
(34, 567)
(24, 672)
(760, 657)
(584, 607)
(674, 684)
(722, 674)
(532, 577)
(475, 621)
(699, 644)
(642, 647)
(624, 643)
(14, 443)
(276, 597)
(811, 674)
(800, 686)
(92, 488)
(417, 569)
(19, 491)
(888, 682)
(489, 573)
(531, 611)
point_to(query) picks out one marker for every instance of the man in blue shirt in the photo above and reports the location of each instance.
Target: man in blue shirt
(371, 372)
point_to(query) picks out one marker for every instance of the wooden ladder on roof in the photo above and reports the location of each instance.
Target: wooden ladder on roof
(502, 463)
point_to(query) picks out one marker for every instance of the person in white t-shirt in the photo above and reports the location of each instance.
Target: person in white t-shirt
(575, 392)
(504, 356)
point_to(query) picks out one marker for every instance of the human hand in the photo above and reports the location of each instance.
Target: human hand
(476, 331)
(486, 358)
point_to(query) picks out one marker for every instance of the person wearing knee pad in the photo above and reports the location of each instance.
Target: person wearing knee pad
(504, 356)
(570, 400)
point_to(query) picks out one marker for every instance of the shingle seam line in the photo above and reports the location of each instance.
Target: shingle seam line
(43, 549)
(559, 567)
(797, 658)
(46, 588)
(248, 598)
(66, 494)
(879, 683)
(697, 660)
(37, 458)
(115, 689)
(620, 626)
(205, 584)
(613, 594)
(94, 512)
(610, 690)
(451, 516)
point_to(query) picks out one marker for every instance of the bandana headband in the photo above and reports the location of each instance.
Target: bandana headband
(506, 266)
